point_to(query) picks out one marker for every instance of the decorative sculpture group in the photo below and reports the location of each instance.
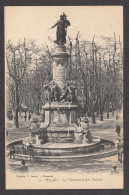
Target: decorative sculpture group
(55, 93)
(83, 134)
(38, 133)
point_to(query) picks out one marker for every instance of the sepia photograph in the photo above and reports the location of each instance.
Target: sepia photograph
(64, 97)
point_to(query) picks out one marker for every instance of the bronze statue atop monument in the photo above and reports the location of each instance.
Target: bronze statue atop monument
(61, 32)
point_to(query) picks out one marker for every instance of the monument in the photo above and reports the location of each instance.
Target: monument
(61, 108)
(61, 103)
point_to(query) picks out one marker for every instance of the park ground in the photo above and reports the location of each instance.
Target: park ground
(105, 129)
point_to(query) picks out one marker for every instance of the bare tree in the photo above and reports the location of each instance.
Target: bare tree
(18, 58)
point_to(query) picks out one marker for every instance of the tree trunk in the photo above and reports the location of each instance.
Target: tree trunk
(107, 113)
(112, 110)
(107, 107)
(70, 61)
(16, 118)
(93, 117)
(38, 109)
(100, 115)
(16, 106)
(100, 111)
(108, 110)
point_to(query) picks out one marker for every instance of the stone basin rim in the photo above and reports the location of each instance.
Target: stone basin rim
(46, 158)
(115, 151)
(97, 140)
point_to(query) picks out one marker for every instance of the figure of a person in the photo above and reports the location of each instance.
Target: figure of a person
(62, 25)
(120, 154)
(30, 150)
(47, 96)
(118, 129)
(120, 151)
(78, 121)
(22, 149)
(114, 171)
(117, 117)
(29, 117)
(25, 116)
(73, 92)
(65, 96)
(23, 168)
(54, 93)
(12, 152)
(69, 94)
(88, 136)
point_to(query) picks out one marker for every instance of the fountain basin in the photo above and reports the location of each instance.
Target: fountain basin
(55, 152)
(68, 159)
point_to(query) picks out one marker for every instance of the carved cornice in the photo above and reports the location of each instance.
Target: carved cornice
(60, 61)
(61, 55)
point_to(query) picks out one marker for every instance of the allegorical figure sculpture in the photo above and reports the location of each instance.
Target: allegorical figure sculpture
(53, 91)
(69, 92)
(61, 32)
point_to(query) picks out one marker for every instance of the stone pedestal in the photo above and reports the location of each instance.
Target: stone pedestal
(60, 61)
(61, 117)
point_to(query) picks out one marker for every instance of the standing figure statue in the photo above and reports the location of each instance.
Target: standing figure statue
(53, 91)
(61, 32)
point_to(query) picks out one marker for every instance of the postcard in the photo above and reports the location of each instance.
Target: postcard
(64, 97)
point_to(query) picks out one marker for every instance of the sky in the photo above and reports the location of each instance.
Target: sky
(33, 21)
